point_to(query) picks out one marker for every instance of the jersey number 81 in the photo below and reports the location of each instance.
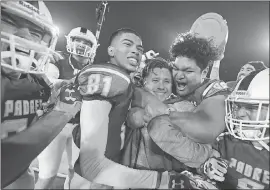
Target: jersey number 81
(98, 82)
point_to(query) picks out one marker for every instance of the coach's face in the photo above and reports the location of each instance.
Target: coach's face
(126, 51)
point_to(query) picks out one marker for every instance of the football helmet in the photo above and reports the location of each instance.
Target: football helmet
(247, 108)
(28, 36)
(78, 48)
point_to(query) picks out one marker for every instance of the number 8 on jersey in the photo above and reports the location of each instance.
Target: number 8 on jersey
(97, 84)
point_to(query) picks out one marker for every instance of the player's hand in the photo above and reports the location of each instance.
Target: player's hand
(69, 100)
(215, 168)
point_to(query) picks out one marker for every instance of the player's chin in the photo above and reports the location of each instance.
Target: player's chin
(131, 68)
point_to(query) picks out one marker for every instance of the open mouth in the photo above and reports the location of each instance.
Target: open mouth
(181, 86)
(133, 61)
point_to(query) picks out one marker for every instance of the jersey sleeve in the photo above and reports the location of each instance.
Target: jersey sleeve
(103, 82)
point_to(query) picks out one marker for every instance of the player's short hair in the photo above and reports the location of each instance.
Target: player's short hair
(202, 50)
(151, 64)
(122, 31)
(258, 65)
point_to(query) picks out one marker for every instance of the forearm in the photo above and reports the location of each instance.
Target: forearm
(171, 140)
(193, 124)
(97, 168)
(28, 144)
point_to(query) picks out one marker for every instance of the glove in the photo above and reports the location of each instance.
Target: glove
(67, 99)
(149, 55)
(55, 91)
(215, 168)
(186, 180)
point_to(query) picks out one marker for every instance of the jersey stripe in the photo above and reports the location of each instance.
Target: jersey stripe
(112, 71)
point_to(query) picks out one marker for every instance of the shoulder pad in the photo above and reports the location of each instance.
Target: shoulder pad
(215, 88)
(106, 80)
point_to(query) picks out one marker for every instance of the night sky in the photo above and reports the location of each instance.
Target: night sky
(158, 22)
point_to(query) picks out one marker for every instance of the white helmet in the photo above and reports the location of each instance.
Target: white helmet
(84, 50)
(21, 52)
(252, 91)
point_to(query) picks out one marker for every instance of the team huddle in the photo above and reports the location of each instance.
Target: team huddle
(139, 121)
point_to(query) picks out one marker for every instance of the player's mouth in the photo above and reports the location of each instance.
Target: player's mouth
(181, 85)
(159, 93)
(133, 61)
(241, 76)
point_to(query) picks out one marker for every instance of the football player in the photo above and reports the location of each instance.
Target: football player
(246, 145)
(143, 153)
(190, 68)
(246, 70)
(81, 48)
(107, 91)
(28, 38)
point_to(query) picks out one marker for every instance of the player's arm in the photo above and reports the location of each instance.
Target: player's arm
(205, 123)
(95, 166)
(94, 120)
(28, 144)
(175, 143)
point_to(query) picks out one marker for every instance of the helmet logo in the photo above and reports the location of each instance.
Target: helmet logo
(29, 6)
(242, 93)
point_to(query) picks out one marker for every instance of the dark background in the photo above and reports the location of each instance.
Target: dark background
(158, 22)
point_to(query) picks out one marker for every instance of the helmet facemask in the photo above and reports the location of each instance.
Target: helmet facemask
(248, 119)
(82, 42)
(79, 48)
(27, 41)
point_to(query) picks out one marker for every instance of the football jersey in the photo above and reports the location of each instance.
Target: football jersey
(19, 101)
(68, 67)
(207, 89)
(108, 82)
(248, 166)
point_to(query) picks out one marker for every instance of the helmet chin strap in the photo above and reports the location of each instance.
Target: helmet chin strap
(264, 145)
(81, 59)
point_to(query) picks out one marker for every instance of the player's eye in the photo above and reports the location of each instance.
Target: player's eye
(140, 49)
(36, 35)
(127, 44)
(167, 81)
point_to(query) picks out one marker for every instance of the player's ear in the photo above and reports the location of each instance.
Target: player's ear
(111, 51)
